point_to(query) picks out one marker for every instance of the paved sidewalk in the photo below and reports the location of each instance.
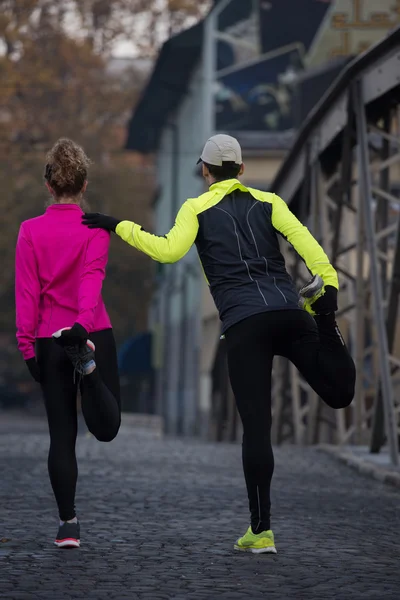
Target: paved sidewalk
(159, 518)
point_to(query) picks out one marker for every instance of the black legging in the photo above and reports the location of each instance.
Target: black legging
(101, 408)
(316, 348)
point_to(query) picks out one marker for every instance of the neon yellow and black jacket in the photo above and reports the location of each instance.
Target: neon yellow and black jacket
(235, 230)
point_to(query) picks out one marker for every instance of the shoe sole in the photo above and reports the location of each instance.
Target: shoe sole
(306, 307)
(68, 543)
(57, 334)
(310, 290)
(269, 550)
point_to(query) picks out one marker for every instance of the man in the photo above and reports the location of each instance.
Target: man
(235, 230)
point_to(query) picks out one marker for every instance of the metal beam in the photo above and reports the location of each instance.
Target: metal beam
(339, 209)
(377, 295)
(378, 426)
(346, 177)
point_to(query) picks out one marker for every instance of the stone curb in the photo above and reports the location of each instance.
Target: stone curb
(362, 466)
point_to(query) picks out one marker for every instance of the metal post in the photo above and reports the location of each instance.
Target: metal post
(378, 423)
(304, 201)
(345, 180)
(394, 294)
(359, 324)
(174, 171)
(366, 198)
(210, 66)
(182, 354)
(165, 378)
(378, 434)
(343, 200)
(157, 350)
(383, 205)
(221, 6)
(169, 278)
(209, 69)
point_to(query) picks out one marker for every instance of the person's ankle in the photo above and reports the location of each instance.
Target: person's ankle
(260, 528)
(73, 520)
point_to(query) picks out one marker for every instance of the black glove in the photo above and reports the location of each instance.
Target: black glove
(99, 221)
(327, 303)
(70, 337)
(34, 369)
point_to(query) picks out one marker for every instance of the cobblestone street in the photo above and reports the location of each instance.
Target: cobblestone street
(159, 519)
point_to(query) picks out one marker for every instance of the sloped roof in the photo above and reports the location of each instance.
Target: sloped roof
(167, 86)
(169, 81)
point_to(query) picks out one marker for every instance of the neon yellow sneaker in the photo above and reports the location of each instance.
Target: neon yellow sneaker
(310, 293)
(259, 543)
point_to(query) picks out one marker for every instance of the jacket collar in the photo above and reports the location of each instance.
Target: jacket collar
(64, 207)
(227, 186)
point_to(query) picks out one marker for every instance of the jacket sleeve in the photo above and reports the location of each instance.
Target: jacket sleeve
(166, 249)
(27, 293)
(92, 277)
(303, 242)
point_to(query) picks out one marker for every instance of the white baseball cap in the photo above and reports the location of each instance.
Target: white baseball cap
(221, 148)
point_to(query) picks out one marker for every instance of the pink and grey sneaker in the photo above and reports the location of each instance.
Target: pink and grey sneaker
(81, 355)
(68, 535)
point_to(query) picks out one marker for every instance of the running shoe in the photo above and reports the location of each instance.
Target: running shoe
(68, 536)
(257, 543)
(310, 293)
(81, 355)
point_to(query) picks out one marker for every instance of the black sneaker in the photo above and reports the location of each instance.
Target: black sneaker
(81, 355)
(68, 536)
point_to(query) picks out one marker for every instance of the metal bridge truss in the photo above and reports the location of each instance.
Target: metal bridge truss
(343, 178)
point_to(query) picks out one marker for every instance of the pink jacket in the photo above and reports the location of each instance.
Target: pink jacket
(59, 270)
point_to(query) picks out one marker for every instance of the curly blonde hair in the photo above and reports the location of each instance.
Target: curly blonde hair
(67, 168)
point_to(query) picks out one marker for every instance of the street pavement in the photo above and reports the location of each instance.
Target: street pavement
(159, 518)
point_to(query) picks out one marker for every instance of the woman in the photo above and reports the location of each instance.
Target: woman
(235, 230)
(60, 267)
